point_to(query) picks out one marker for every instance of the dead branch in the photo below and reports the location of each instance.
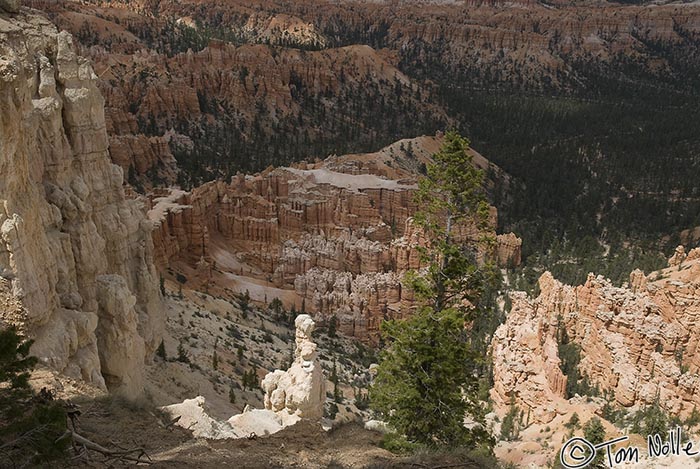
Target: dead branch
(135, 455)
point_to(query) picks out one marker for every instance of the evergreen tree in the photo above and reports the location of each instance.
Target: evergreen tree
(290, 357)
(30, 426)
(332, 326)
(337, 393)
(182, 354)
(451, 201)
(594, 432)
(426, 381)
(277, 308)
(510, 428)
(244, 302)
(655, 420)
(254, 384)
(573, 422)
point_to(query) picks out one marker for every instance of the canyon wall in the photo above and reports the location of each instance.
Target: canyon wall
(76, 257)
(236, 85)
(337, 233)
(210, 102)
(638, 342)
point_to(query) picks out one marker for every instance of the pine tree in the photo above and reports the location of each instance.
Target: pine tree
(244, 303)
(290, 357)
(30, 426)
(337, 393)
(574, 422)
(426, 382)
(254, 378)
(510, 428)
(277, 308)
(594, 432)
(332, 325)
(246, 380)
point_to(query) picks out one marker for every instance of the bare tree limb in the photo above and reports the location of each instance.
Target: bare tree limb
(135, 455)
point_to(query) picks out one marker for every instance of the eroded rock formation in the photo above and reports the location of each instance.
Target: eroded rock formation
(678, 257)
(301, 390)
(77, 254)
(338, 233)
(639, 343)
(179, 81)
(298, 393)
(509, 249)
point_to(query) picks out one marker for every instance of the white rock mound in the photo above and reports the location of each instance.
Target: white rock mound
(193, 416)
(290, 396)
(301, 390)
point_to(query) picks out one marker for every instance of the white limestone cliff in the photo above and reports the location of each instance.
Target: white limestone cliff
(76, 252)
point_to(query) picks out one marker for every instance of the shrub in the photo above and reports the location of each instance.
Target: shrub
(31, 425)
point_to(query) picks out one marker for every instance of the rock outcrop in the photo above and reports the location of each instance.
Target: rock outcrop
(299, 392)
(77, 254)
(338, 233)
(678, 257)
(192, 415)
(296, 394)
(638, 344)
(509, 249)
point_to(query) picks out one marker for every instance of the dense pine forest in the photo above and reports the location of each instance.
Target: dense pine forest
(606, 156)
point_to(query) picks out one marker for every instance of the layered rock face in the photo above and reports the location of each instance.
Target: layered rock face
(77, 255)
(509, 249)
(638, 343)
(336, 233)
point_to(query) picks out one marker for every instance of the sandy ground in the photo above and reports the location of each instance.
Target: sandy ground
(113, 423)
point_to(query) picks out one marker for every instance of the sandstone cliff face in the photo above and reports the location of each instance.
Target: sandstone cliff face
(509, 249)
(336, 233)
(637, 343)
(77, 254)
